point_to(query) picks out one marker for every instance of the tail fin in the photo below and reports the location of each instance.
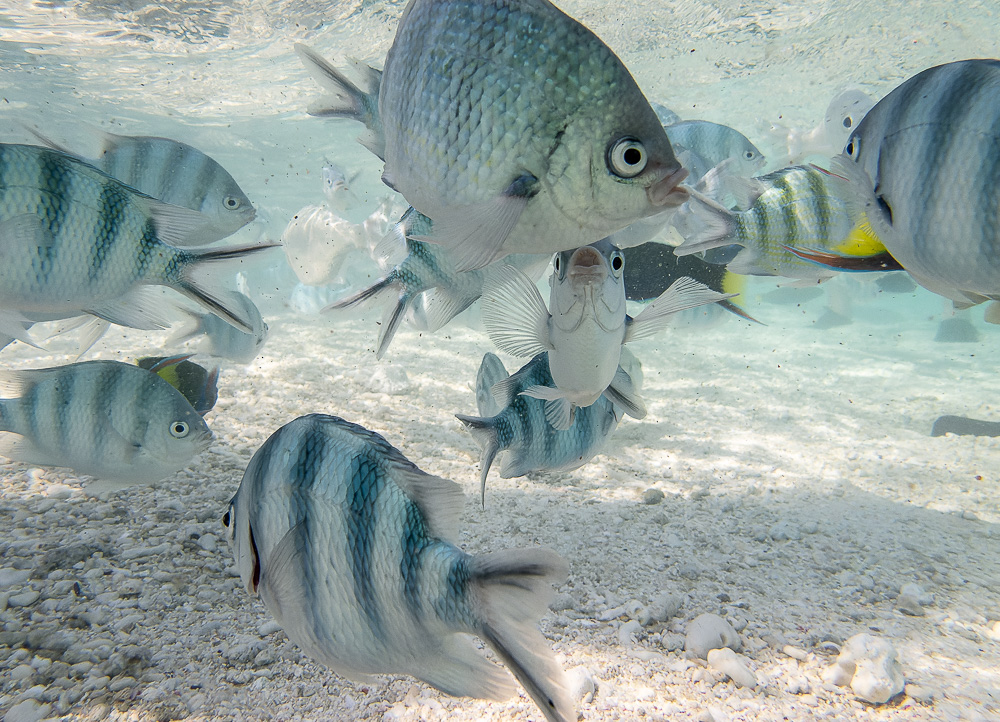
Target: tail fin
(704, 224)
(348, 100)
(514, 587)
(196, 282)
(393, 315)
(485, 434)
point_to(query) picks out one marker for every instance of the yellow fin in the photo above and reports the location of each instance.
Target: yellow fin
(861, 242)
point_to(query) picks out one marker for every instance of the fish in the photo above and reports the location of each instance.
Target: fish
(337, 187)
(842, 116)
(108, 419)
(583, 329)
(664, 114)
(175, 173)
(513, 127)
(517, 424)
(351, 547)
(803, 207)
(196, 383)
(223, 340)
(427, 272)
(924, 167)
(964, 426)
(702, 145)
(76, 240)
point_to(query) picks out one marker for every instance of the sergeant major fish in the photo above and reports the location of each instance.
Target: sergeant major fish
(427, 270)
(111, 420)
(584, 327)
(799, 206)
(513, 127)
(175, 173)
(924, 166)
(702, 145)
(518, 426)
(224, 340)
(350, 546)
(75, 240)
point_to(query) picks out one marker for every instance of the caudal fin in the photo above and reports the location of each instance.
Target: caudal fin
(198, 281)
(514, 588)
(394, 311)
(485, 434)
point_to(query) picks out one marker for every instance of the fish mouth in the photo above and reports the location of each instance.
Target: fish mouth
(667, 192)
(587, 266)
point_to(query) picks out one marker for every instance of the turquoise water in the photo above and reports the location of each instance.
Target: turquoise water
(820, 416)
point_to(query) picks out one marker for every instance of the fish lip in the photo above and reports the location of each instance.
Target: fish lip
(587, 265)
(667, 192)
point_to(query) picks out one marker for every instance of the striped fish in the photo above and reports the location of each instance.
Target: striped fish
(196, 383)
(801, 206)
(175, 173)
(111, 420)
(75, 240)
(351, 547)
(516, 424)
(924, 165)
(425, 280)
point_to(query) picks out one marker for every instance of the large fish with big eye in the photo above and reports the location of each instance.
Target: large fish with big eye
(924, 164)
(351, 547)
(512, 126)
(118, 422)
(583, 328)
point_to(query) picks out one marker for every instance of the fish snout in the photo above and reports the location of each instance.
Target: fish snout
(667, 192)
(587, 265)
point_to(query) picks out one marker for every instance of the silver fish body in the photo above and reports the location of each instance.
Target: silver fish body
(584, 327)
(702, 145)
(223, 340)
(112, 420)
(516, 129)
(350, 546)
(519, 426)
(337, 187)
(925, 166)
(175, 173)
(75, 240)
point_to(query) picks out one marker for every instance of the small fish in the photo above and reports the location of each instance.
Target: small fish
(111, 420)
(843, 114)
(664, 114)
(175, 173)
(351, 547)
(924, 167)
(584, 331)
(223, 340)
(197, 384)
(801, 206)
(337, 187)
(518, 426)
(428, 272)
(964, 426)
(701, 145)
(75, 240)
(512, 126)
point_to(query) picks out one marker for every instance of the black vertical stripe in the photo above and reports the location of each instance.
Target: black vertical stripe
(112, 207)
(55, 183)
(63, 399)
(413, 543)
(366, 483)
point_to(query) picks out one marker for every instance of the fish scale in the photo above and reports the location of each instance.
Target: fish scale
(351, 552)
(77, 240)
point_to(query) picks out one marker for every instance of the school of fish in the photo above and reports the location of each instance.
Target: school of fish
(514, 138)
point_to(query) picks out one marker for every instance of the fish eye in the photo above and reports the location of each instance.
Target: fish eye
(227, 519)
(626, 157)
(179, 429)
(617, 262)
(749, 155)
(232, 203)
(555, 263)
(848, 121)
(853, 147)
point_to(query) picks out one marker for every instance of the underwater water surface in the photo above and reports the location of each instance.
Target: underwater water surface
(796, 485)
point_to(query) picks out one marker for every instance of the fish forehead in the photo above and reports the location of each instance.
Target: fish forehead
(501, 81)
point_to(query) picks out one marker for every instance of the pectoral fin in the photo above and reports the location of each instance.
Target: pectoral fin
(514, 313)
(622, 393)
(559, 411)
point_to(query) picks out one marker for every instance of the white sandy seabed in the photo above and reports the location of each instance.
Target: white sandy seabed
(801, 491)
